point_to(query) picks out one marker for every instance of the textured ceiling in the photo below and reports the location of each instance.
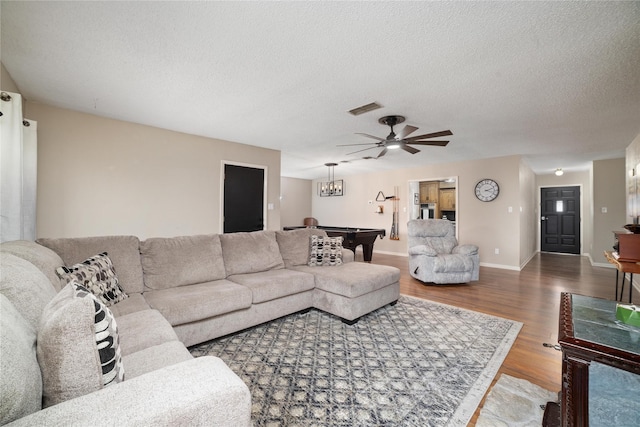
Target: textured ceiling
(557, 82)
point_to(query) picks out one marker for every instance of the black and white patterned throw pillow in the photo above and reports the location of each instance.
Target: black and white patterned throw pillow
(98, 276)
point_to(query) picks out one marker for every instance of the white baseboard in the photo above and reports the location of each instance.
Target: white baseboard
(406, 255)
(527, 261)
(603, 265)
(502, 266)
(482, 264)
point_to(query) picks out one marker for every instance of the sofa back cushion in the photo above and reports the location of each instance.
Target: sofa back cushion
(250, 252)
(180, 261)
(294, 245)
(43, 258)
(26, 287)
(124, 252)
(20, 379)
(439, 234)
(78, 346)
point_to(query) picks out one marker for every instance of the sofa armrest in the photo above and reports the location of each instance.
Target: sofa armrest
(422, 250)
(465, 250)
(201, 391)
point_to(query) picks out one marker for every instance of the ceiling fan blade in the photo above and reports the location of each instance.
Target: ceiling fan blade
(408, 130)
(437, 143)
(382, 153)
(364, 149)
(351, 145)
(371, 136)
(430, 135)
(409, 149)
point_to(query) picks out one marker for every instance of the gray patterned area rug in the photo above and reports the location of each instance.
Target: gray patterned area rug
(417, 363)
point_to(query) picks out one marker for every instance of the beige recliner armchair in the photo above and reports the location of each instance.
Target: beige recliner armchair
(436, 257)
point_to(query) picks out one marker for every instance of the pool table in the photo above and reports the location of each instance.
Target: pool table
(352, 237)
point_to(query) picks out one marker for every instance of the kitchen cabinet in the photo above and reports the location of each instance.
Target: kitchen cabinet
(447, 199)
(429, 191)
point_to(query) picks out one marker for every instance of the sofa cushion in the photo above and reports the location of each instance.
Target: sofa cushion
(143, 329)
(97, 275)
(180, 261)
(325, 251)
(294, 245)
(124, 252)
(270, 285)
(452, 263)
(353, 279)
(20, 379)
(134, 303)
(442, 245)
(197, 302)
(154, 358)
(250, 252)
(44, 258)
(26, 287)
(77, 346)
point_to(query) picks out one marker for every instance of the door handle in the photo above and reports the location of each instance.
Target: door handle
(543, 218)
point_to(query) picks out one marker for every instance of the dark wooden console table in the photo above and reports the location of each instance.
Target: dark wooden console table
(589, 335)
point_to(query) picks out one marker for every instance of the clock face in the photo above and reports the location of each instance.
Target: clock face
(487, 190)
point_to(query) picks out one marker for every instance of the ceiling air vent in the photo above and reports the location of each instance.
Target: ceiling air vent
(365, 108)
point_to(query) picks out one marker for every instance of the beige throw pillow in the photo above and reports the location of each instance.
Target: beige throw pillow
(78, 347)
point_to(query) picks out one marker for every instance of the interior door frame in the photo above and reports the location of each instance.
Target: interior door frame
(265, 170)
(410, 196)
(539, 214)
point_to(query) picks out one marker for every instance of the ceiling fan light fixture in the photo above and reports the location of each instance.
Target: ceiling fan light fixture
(402, 140)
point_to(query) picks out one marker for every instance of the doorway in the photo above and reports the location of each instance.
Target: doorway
(244, 192)
(433, 198)
(560, 219)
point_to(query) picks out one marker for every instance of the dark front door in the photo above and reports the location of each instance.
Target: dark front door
(560, 219)
(243, 198)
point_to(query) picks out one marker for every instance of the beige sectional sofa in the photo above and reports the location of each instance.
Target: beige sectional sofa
(180, 291)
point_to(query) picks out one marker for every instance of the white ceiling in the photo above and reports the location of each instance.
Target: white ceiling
(557, 82)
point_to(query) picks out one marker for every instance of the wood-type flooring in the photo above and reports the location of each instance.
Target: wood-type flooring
(530, 296)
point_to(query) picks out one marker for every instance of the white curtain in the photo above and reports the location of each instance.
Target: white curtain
(18, 170)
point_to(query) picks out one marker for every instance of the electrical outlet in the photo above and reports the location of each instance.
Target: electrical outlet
(497, 251)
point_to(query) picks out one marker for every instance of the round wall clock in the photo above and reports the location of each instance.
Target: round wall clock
(487, 190)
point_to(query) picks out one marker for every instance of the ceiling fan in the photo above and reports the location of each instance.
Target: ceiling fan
(402, 140)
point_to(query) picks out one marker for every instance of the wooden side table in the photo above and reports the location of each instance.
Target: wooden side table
(625, 267)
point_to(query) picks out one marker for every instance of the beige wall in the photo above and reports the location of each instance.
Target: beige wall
(99, 176)
(6, 82)
(528, 214)
(632, 175)
(489, 225)
(295, 201)
(608, 192)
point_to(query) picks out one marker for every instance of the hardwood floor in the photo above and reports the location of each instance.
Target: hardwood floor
(530, 296)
